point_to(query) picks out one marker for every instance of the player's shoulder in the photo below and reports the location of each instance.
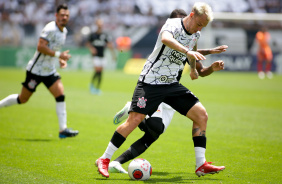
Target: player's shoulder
(173, 21)
(51, 26)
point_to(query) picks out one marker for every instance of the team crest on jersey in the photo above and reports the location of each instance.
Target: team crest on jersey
(141, 102)
(32, 84)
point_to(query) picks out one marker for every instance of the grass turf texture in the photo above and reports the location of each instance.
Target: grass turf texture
(244, 131)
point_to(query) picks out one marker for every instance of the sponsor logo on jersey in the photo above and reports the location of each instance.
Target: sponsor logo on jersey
(165, 78)
(141, 102)
(176, 57)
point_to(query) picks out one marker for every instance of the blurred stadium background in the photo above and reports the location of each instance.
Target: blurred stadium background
(235, 24)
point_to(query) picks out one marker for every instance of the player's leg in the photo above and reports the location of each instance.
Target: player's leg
(13, 99)
(92, 86)
(29, 86)
(260, 59)
(99, 76)
(138, 110)
(268, 64)
(187, 104)
(153, 128)
(122, 114)
(56, 88)
(199, 117)
(117, 140)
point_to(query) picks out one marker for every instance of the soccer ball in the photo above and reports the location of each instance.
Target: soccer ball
(139, 169)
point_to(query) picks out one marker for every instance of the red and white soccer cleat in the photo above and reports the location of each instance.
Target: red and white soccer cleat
(207, 168)
(103, 165)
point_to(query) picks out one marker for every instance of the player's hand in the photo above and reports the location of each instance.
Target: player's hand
(219, 49)
(195, 55)
(63, 63)
(65, 55)
(194, 74)
(218, 65)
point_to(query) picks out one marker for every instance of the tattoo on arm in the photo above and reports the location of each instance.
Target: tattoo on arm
(193, 63)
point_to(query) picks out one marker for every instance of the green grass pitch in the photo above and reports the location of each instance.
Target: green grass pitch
(244, 131)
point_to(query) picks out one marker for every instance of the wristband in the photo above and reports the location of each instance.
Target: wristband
(57, 54)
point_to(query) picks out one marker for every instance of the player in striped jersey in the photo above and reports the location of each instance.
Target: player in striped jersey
(41, 68)
(159, 82)
(157, 124)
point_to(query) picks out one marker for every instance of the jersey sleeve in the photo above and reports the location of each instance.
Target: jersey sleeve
(47, 33)
(170, 26)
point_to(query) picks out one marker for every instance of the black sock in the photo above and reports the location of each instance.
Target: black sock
(137, 148)
(117, 139)
(200, 141)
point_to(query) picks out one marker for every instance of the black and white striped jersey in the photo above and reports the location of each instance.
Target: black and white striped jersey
(165, 65)
(42, 64)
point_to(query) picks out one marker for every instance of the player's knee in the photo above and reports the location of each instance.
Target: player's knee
(155, 126)
(22, 100)
(135, 118)
(203, 117)
(60, 98)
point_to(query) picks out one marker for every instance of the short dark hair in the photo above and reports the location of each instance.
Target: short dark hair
(62, 6)
(177, 12)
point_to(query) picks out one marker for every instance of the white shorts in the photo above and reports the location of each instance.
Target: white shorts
(165, 112)
(99, 61)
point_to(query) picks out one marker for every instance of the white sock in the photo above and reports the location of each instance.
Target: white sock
(200, 156)
(109, 151)
(9, 100)
(62, 115)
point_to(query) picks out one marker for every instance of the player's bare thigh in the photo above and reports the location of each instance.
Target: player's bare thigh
(25, 95)
(57, 89)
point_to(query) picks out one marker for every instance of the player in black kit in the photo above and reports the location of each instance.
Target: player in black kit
(97, 42)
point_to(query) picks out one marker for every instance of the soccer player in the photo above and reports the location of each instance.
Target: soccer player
(155, 125)
(264, 53)
(41, 68)
(97, 42)
(159, 82)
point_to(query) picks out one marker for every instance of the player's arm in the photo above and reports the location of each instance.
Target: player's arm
(168, 40)
(205, 71)
(216, 50)
(42, 47)
(91, 48)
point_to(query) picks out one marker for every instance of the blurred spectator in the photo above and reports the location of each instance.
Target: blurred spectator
(28, 16)
(9, 34)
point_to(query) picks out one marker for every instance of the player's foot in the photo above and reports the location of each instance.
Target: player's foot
(115, 167)
(103, 165)
(207, 168)
(68, 133)
(122, 114)
(92, 89)
(269, 75)
(261, 75)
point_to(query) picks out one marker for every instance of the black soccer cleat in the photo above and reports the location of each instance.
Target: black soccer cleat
(68, 133)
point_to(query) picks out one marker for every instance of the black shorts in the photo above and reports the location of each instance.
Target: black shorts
(146, 98)
(32, 80)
